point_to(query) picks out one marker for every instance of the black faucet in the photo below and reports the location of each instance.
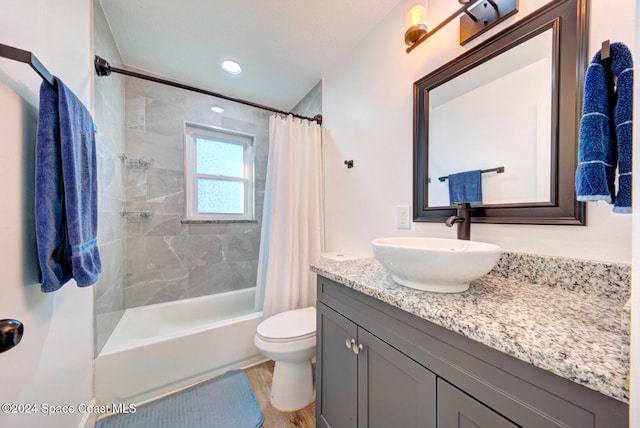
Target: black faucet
(463, 218)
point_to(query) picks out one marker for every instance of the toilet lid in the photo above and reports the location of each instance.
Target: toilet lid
(296, 324)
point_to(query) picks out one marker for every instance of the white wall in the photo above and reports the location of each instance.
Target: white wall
(368, 108)
(53, 364)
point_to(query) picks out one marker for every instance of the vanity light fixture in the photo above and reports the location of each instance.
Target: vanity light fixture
(479, 16)
(217, 109)
(416, 22)
(231, 67)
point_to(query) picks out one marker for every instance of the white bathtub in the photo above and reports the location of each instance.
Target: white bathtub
(160, 348)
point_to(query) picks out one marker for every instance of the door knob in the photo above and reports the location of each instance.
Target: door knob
(10, 334)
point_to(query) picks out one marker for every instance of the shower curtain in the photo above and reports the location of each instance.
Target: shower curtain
(292, 220)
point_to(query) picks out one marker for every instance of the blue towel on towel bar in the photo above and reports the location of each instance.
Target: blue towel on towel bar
(66, 190)
(605, 131)
(596, 154)
(466, 187)
(622, 67)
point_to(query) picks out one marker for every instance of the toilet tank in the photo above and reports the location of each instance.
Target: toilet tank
(336, 257)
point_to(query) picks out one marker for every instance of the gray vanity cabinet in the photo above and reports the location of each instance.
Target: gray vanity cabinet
(336, 370)
(379, 366)
(458, 410)
(367, 383)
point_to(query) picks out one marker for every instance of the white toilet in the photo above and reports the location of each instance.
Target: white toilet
(289, 338)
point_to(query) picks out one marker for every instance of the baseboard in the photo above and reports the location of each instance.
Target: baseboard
(255, 363)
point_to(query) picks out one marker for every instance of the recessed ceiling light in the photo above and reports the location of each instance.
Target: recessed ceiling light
(231, 67)
(217, 109)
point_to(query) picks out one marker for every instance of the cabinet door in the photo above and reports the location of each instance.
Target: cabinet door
(458, 410)
(393, 390)
(336, 371)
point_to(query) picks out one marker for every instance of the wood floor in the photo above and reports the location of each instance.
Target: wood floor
(260, 379)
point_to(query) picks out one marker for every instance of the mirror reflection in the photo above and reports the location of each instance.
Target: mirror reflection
(498, 114)
(513, 102)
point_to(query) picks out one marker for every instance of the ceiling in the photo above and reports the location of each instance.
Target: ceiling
(284, 46)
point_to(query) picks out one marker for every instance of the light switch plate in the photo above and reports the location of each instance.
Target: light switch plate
(403, 217)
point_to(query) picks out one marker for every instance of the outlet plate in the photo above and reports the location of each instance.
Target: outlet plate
(403, 217)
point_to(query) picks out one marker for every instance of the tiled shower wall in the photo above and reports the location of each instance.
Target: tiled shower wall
(168, 260)
(110, 143)
(311, 104)
(162, 259)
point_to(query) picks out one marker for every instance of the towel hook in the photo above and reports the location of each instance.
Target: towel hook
(605, 51)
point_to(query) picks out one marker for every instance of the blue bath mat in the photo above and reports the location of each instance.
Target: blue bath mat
(224, 402)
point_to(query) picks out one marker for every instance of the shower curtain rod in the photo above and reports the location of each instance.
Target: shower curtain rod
(27, 57)
(103, 68)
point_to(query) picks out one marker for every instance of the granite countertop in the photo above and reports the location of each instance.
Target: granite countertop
(571, 333)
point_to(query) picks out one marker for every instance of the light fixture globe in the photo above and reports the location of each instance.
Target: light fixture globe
(415, 24)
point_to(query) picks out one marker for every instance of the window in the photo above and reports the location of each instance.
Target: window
(218, 174)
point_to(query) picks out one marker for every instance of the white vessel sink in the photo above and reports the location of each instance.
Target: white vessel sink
(435, 264)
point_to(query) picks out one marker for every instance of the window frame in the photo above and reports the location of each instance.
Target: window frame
(192, 132)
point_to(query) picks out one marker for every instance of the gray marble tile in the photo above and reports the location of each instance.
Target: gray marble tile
(110, 225)
(105, 323)
(166, 152)
(110, 181)
(245, 272)
(161, 257)
(163, 182)
(212, 279)
(241, 246)
(152, 291)
(162, 224)
(570, 333)
(164, 118)
(311, 103)
(198, 250)
(136, 254)
(185, 260)
(110, 142)
(135, 185)
(135, 112)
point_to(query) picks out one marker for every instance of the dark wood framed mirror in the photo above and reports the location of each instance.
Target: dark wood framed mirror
(486, 110)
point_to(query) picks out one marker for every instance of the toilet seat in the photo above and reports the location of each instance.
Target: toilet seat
(295, 325)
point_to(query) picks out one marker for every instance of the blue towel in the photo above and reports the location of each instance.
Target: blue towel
(605, 131)
(596, 151)
(622, 67)
(66, 190)
(466, 187)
